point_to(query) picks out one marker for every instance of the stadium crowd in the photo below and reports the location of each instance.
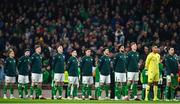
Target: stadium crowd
(92, 24)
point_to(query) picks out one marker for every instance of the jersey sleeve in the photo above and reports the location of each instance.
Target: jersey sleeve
(19, 63)
(167, 64)
(127, 59)
(148, 59)
(5, 66)
(100, 63)
(81, 63)
(68, 64)
(53, 62)
(115, 61)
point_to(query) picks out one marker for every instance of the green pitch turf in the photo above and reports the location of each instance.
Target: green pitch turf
(82, 101)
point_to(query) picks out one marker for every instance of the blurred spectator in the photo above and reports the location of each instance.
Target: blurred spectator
(2, 74)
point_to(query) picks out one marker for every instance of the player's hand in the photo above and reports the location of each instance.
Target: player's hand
(172, 75)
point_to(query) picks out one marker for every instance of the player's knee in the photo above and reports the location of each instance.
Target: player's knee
(7, 83)
(155, 83)
(168, 84)
(135, 82)
(101, 84)
(61, 83)
(130, 81)
(69, 85)
(40, 84)
(57, 83)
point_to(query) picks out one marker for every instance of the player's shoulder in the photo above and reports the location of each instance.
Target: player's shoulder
(7, 59)
(21, 58)
(34, 54)
(158, 55)
(151, 54)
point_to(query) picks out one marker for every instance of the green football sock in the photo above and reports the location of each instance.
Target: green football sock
(135, 89)
(5, 89)
(11, 89)
(127, 89)
(69, 91)
(143, 93)
(167, 92)
(32, 90)
(75, 91)
(39, 91)
(89, 90)
(159, 93)
(20, 89)
(123, 89)
(60, 89)
(26, 89)
(117, 90)
(83, 90)
(100, 91)
(54, 90)
(97, 92)
(172, 93)
(106, 87)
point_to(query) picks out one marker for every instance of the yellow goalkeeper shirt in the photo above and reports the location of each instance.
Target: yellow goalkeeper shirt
(152, 62)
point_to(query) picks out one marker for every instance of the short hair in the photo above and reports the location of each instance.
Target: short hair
(87, 49)
(27, 50)
(154, 46)
(59, 45)
(37, 46)
(120, 46)
(105, 49)
(73, 50)
(9, 51)
(132, 43)
(170, 48)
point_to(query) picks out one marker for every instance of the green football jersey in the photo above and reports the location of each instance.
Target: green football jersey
(72, 66)
(144, 76)
(120, 63)
(171, 63)
(160, 69)
(105, 65)
(132, 61)
(36, 63)
(58, 63)
(86, 66)
(24, 65)
(10, 67)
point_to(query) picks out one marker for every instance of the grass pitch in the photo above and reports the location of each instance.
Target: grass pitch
(47, 101)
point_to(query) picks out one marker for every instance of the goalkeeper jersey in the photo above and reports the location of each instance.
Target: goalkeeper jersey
(152, 62)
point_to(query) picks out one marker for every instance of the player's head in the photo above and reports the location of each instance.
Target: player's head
(11, 53)
(74, 53)
(27, 52)
(38, 49)
(60, 49)
(155, 49)
(121, 48)
(171, 51)
(88, 52)
(106, 51)
(133, 46)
